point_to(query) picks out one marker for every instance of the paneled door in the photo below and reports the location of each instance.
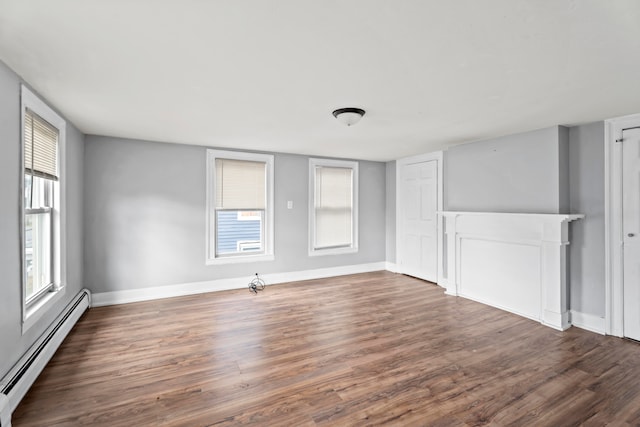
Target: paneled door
(418, 219)
(631, 231)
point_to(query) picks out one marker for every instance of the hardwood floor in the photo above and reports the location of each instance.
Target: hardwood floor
(368, 349)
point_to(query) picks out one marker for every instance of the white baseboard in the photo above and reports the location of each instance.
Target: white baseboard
(391, 266)
(588, 321)
(157, 292)
(500, 306)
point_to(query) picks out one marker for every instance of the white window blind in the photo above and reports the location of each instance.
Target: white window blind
(40, 147)
(240, 184)
(333, 207)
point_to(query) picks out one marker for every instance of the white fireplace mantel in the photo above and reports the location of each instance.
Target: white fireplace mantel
(513, 261)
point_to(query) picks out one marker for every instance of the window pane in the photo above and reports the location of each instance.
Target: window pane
(27, 191)
(333, 228)
(239, 211)
(40, 193)
(37, 252)
(333, 207)
(239, 232)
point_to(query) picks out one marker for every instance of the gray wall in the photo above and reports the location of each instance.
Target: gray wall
(564, 203)
(551, 170)
(12, 342)
(145, 216)
(391, 211)
(586, 251)
(515, 173)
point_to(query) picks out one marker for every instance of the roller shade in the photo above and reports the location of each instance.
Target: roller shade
(40, 147)
(240, 184)
(333, 206)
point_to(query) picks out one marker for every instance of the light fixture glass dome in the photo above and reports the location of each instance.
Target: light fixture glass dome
(349, 116)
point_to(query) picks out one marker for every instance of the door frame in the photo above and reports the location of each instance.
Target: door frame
(614, 261)
(438, 156)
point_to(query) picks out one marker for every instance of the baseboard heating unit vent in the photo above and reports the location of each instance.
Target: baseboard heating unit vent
(17, 382)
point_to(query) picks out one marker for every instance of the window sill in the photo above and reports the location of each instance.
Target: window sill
(334, 251)
(38, 309)
(240, 259)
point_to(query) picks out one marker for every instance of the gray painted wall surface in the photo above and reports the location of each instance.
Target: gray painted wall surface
(564, 203)
(551, 170)
(13, 343)
(586, 251)
(514, 173)
(145, 216)
(391, 211)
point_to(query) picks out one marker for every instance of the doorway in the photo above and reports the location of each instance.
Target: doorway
(631, 231)
(622, 224)
(419, 223)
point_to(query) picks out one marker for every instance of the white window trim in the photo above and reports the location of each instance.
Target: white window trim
(268, 254)
(313, 162)
(31, 314)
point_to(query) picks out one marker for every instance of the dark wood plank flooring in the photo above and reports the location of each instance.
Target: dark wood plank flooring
(368, 349)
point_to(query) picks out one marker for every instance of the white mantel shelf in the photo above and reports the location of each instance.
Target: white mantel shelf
(513, 261)
(552, 217)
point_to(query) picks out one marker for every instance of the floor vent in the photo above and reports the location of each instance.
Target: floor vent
(17, 382)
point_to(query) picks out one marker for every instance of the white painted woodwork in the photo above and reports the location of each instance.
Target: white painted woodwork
(419, 219)
(631, 231)
(588, 321)
(614, 255)
(516, 262)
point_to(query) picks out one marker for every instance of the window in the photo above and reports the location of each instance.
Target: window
(239, 207)
(333, 207)
(43, 136)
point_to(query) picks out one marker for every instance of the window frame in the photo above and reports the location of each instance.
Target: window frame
(35, 308)
(349, 164)
(48, 211)
(268, 222)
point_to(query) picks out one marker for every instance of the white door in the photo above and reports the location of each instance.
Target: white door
(418, 204)
(631, 231)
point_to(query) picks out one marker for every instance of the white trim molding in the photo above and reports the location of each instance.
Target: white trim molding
(513, 261)
(614, 312)
(355, 191)
(588, 322)
(30, 315)
(210, 250)
(438, 156)
(391, 266)
(158, 292)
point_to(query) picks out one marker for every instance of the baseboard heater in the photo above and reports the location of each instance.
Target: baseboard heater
(17, 382)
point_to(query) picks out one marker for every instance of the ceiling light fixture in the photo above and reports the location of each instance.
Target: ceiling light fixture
(349, 116)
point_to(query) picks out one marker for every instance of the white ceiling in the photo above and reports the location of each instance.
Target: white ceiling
(266, 75)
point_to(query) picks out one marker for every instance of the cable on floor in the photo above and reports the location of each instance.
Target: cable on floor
(257, 284)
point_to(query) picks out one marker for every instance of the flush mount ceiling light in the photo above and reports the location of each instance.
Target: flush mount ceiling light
(349, 116)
